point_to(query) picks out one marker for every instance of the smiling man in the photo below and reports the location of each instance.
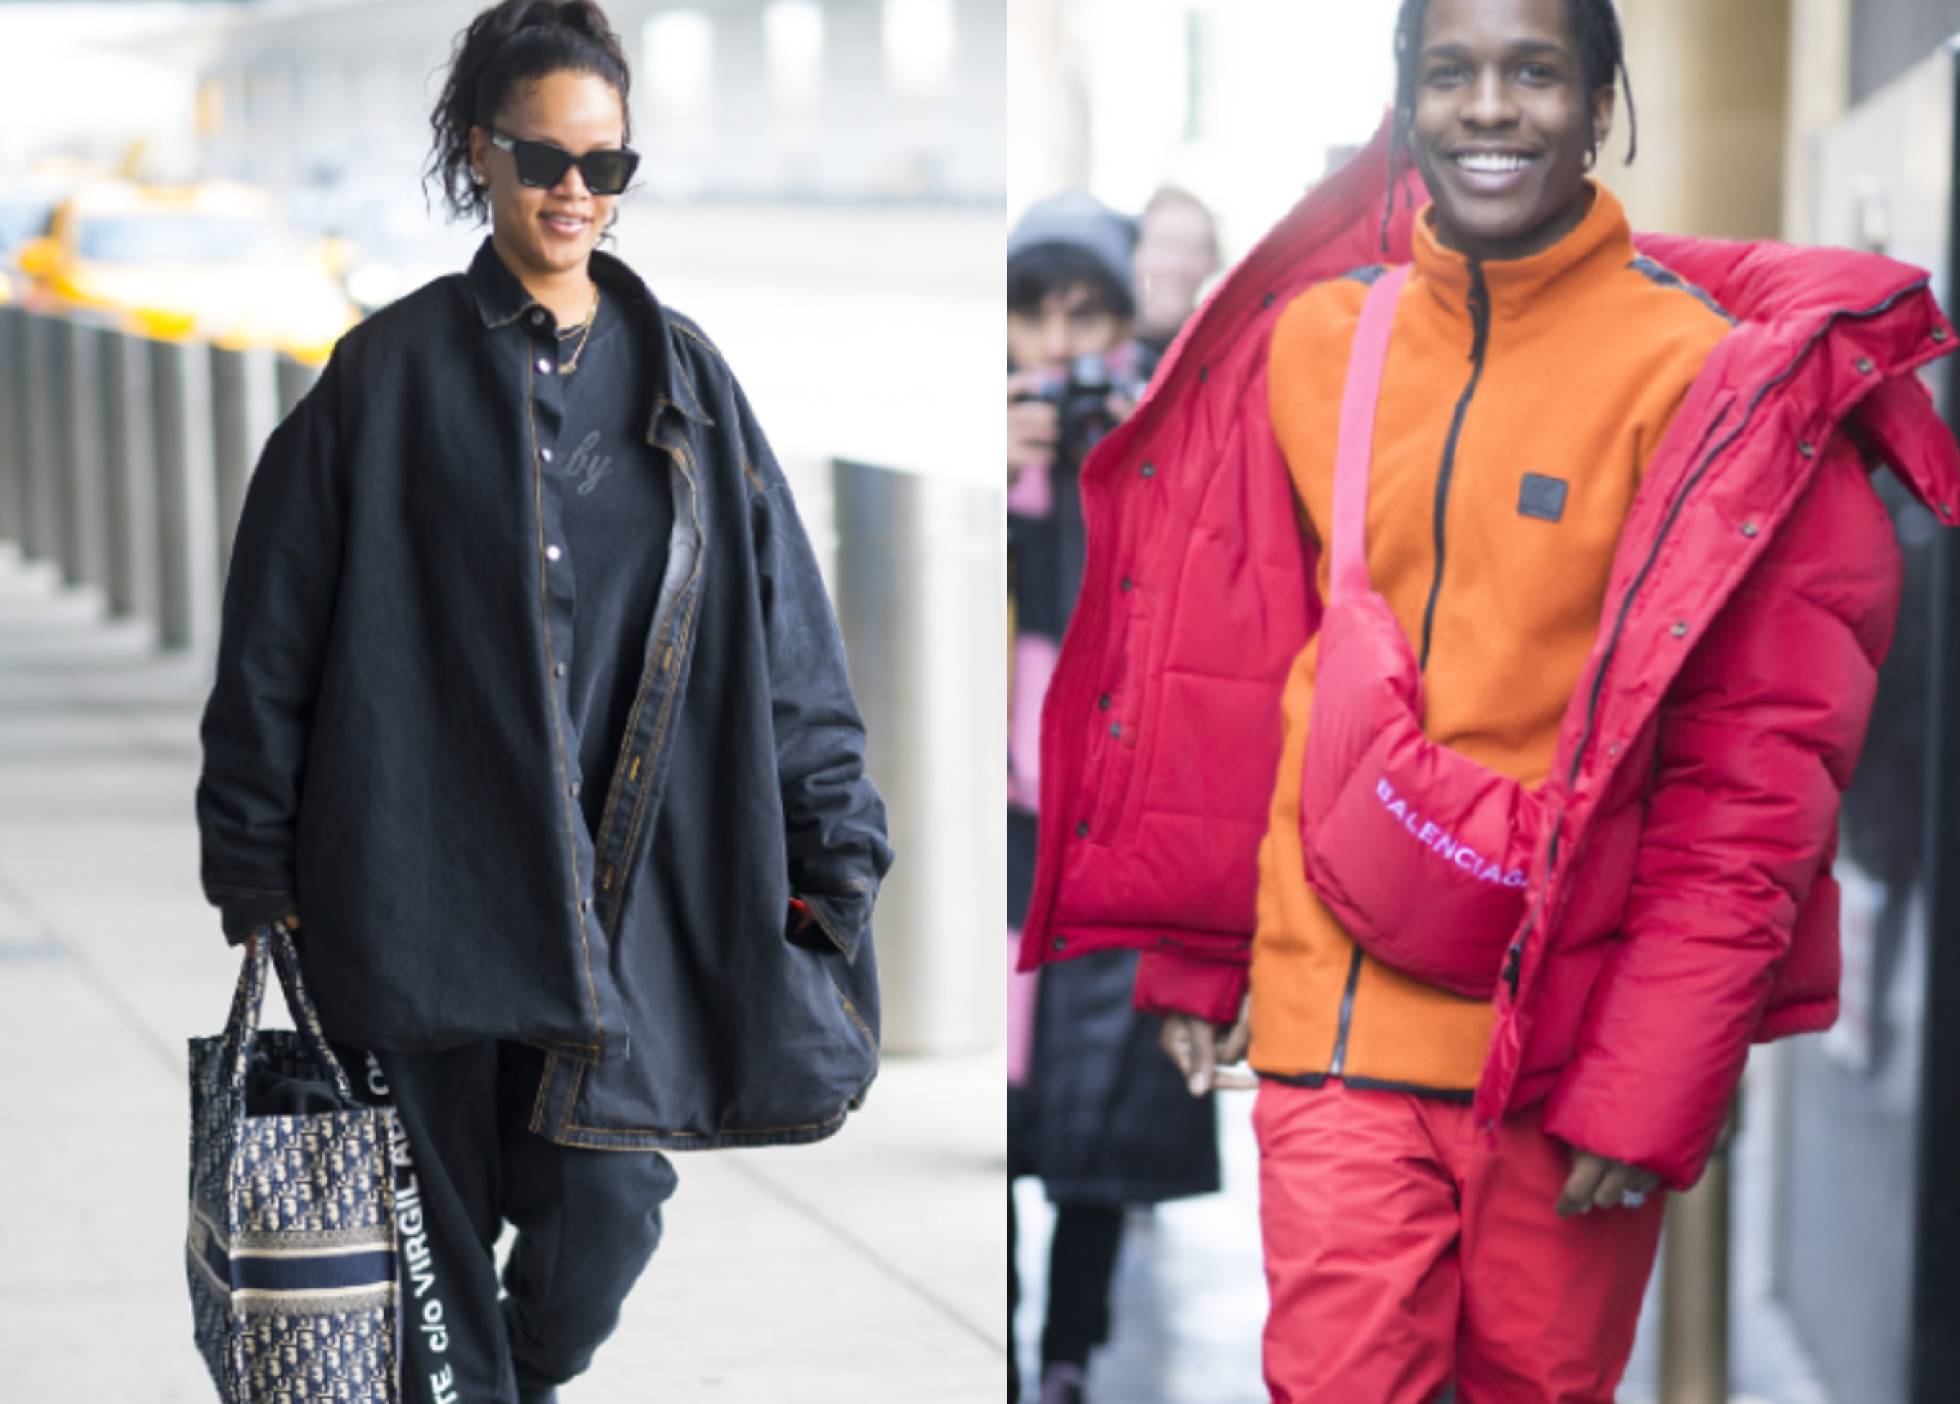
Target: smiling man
(1535, 361)
(1621, 575)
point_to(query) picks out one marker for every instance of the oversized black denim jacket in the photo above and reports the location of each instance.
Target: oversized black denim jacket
(387, 747)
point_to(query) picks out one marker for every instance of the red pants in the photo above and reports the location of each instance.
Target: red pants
(1404, 1249)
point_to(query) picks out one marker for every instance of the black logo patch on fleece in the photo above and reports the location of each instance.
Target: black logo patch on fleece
(1542, 497)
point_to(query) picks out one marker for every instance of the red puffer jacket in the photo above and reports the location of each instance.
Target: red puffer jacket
(1680, 902)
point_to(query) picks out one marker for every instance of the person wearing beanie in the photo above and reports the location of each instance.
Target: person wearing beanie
(1094, 1111)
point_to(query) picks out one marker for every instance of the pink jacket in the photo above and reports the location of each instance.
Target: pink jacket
(1679, 903)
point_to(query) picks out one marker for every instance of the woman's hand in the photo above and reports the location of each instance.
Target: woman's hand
(1201, 1049)
(290, 921)
(1599, 1183)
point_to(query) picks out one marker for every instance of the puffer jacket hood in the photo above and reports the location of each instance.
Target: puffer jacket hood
(1784, 296)
(1679, 903)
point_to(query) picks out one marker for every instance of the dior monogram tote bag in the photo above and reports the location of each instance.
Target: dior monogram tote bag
(291, 1248)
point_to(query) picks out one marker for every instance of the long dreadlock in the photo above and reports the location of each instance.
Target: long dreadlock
(1602, 60)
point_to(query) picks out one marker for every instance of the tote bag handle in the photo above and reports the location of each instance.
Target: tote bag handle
(1356, 451)
(242, 1031)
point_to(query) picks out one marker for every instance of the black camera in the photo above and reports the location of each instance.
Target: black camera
(1081, 399)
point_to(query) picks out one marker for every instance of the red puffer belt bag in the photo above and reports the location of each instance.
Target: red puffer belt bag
(1420, 852)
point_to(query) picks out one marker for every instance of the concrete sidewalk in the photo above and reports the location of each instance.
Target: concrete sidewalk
(869, 1268)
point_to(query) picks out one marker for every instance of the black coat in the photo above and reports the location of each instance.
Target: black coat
(1105, 1117)
(386, 746)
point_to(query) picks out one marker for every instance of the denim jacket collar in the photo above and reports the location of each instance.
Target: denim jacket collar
(501, 298)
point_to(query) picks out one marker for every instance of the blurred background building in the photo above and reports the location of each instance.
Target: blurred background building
(822, 184)
(196, 200)
(1808, 120)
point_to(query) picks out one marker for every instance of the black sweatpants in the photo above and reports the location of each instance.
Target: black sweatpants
(587, 1221)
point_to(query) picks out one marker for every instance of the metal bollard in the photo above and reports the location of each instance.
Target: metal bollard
(187, 498)
(244, 411)
(84, 508)
(920, 590)
(130, 453)
(294, 379)
(1695, 1284)
(40, 398)
(13, 444)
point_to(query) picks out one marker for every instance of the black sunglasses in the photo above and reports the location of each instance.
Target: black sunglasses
(542, 165)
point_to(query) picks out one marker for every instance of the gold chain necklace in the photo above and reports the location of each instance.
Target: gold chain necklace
(579, 350)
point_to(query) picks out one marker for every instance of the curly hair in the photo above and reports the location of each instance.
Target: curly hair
(506, 46)
(1602, 59)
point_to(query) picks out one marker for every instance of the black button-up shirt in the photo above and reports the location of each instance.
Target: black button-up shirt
(391, 745)
(616, 511)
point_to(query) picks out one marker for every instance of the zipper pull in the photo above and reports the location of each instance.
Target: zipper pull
(1513, 959)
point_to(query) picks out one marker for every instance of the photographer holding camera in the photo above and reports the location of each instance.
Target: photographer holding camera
(1094, 1110)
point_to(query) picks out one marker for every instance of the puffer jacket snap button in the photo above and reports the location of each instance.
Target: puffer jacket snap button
(1806, 448)
(1680, 629)
(1940, 333)
(1864, 365)
(1749, 528)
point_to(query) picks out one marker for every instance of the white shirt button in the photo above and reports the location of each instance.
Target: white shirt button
(545, 367)
(552, 553)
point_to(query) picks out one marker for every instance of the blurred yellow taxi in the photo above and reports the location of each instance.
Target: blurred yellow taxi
(214, 261)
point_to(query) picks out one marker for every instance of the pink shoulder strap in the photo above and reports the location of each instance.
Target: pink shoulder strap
(1349, 566)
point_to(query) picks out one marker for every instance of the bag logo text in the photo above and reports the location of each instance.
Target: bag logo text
(1442, 843)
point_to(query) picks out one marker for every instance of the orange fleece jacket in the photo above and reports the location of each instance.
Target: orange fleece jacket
(1519, 405)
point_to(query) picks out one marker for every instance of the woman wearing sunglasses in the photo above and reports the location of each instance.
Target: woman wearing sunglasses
(530, 701)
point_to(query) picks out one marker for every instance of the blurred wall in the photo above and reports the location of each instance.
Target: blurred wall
(1245, 101)
(1047, 125)
(1820, 91)
(1890, 36)
(1241, 102)
(866, 100)
(82, 80)
(1710, 83)
(821, 186)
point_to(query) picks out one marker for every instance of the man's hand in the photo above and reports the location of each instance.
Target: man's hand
(1599, 1183)
(1032, 425)
(1201, 1049)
